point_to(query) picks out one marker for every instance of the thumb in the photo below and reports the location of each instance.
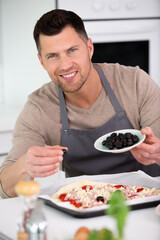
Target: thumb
(150, 137)
(147, 131)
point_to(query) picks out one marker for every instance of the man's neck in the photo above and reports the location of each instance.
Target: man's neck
(88, 94)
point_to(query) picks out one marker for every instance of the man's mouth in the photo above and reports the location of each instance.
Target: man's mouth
(69, 76)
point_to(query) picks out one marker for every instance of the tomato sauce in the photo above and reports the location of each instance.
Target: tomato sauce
(140, 189)
(87, 187)
(118, 186)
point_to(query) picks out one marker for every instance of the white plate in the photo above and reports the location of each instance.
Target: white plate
(98, 143)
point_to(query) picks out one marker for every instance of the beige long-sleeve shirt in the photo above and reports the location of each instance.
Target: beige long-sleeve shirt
(39, 123)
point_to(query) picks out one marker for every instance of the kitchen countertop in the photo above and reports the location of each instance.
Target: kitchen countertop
(141, 224)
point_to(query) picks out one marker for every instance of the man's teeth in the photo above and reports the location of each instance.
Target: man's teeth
(69, 75)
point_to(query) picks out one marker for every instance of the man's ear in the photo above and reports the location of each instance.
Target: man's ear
(41, 61)
(90, 47)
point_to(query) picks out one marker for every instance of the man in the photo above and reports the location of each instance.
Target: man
(82, 102)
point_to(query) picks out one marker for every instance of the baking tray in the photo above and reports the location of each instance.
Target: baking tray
(100, 212)
(132, 178)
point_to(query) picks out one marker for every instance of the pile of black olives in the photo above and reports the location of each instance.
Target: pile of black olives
(120, 140)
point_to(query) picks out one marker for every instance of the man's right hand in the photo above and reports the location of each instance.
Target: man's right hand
(37, 162)
(43, 161)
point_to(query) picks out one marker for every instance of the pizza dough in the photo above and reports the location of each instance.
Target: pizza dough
(87, 193)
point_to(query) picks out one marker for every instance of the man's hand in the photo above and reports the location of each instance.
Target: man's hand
(43, 161)
(148, 152)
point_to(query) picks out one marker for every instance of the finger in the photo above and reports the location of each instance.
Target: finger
(43, 160)
(57, 147)
(46, 174)
(37, 170)
(147, 148)
(144, 157)
(147, 131)
(150, 137)
(44, 151)
(45, 168)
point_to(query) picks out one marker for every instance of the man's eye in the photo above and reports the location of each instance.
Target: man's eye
(52, 56)
(73, 50)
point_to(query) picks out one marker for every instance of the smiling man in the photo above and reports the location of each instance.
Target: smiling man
(68, 64)
(81, 102)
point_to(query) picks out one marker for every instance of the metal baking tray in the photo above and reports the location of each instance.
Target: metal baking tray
(93, 213)
(132, 178)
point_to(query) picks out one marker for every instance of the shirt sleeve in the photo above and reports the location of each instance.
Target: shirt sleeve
(148, 93)
(2, 193)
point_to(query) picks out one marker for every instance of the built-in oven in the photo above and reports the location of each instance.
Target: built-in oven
(123, 31)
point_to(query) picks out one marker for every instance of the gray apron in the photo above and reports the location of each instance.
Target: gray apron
(82, 158)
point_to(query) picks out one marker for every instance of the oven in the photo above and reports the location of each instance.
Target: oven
(123, 31)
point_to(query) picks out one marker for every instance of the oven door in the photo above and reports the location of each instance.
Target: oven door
(128, 42)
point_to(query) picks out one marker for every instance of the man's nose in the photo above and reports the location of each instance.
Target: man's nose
(65, 62)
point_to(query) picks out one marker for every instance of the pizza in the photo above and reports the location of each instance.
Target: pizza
(86, 193)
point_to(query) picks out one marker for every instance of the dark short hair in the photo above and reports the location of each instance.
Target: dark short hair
(53, 22)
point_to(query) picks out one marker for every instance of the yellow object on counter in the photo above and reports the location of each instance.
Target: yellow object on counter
(27, 188)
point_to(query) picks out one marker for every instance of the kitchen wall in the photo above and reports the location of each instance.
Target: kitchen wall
(1, 83)
(20, 70)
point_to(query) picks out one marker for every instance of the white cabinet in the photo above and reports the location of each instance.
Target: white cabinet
(6, 142)
(8, 116)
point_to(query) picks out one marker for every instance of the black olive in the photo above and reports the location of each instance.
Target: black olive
(113, 134)
(64, 151)
(100, 198)
(135, 138)
(119, 145)
(108, 139)
(121, 136)
(129, 142)
(124, 143)
(128, 135)
(110, 145)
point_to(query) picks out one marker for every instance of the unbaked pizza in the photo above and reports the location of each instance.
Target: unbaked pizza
(86, 193)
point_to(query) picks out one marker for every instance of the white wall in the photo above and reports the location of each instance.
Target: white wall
(1, 82)
(21, 71)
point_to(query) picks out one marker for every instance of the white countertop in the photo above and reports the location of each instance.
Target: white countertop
(141, 224)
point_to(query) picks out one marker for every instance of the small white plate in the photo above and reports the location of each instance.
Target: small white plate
(98, 143)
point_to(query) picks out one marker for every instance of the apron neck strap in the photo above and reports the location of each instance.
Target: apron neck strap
(109, 90)
(64, 116)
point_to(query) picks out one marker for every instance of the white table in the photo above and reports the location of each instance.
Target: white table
(141, 224)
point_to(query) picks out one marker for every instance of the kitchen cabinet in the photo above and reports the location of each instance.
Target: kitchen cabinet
(8, 116)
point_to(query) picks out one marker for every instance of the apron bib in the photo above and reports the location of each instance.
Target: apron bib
(82, 158)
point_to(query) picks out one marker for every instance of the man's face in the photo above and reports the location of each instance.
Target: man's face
(66, 58)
